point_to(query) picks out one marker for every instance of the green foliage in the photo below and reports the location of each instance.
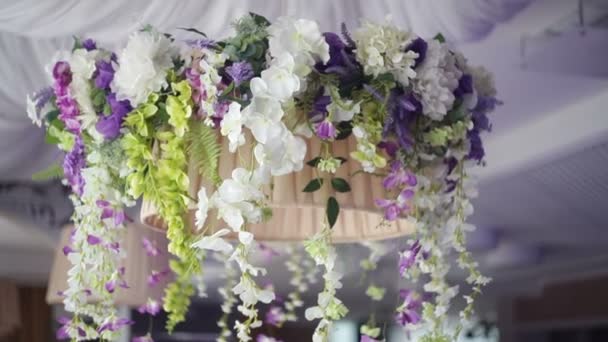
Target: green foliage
(313, 185)
(340, 184)
(332, 211)
(204, 150)
(177, 295)
(250, 42)
(55, 171)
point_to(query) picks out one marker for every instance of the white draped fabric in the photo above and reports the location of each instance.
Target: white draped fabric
(31, 31)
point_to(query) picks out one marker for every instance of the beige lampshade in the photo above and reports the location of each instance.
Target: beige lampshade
(9, 308)
(298, 215)
(138, 266)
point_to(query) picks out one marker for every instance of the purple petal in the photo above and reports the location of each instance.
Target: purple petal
(150, 247)
(67, 250)
(93, 240)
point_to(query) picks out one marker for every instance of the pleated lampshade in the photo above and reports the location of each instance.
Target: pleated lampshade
(298, 215)
(138, 266)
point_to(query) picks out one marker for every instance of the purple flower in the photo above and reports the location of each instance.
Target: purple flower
(93, 240)
(67, 250)
(89, 44)
(104, 74)
(73, 163)
(115, 325)
(403, 109)
(152, 307)
(275, 316)
(365, 338)
(62, 74)
(326, 130)
(389, 147)
(318, 111)
(150, 247)
(200, 43)
(109, 212)
(394, 208)
(239, 72)
(342, 60)
(465, 86)
(155, 277)
(398, 177)
(267, 252)
(109, 126)
(42, 97)
(146, 338)
(420, 47)
(407, 258)
(409, 311)
(62, 332)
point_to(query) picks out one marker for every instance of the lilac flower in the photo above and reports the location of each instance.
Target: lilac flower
(115, 325)
(62, 74)
(403, 109)
(420, 47)
(109, 126)
(42, 97)
(465, 86)
(73, 163)
(394, 208)
(108, 212)
(398, 177)
(326, 130)
(146, 338)
(240, 72)
(89, 44)
(62, 332)
(342, 61)
(267, 252)
(156, 276)
(275, 316)
(409, 311)
(389, 147)
(152, 307)
(93, 240)
(365, 338)
(67, 250)
(150, 247)
(318, 111)
(407, 258)
(103, 75)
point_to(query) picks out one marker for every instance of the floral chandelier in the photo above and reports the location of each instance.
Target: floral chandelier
(279, 132)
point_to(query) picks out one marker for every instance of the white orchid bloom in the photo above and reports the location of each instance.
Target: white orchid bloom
(215, 242)
(232, 127)
(299, 37)
(283, 155)
(202, 208)
(263, 118)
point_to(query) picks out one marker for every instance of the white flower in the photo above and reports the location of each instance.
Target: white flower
(343, 113)
(278, 81)
(245, 238)
(32, 113)
(214, 242)
(242, 331)
(302, 39)
(483, 81)
(436, 81)
(82, 65)
(263, 118)
(234, 198)
(282, 155)
(142, 66)
(202, 208)
(232, 126)
(381, 49)
(250, 293)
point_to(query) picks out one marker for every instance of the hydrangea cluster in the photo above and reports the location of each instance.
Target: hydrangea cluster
(140, 122)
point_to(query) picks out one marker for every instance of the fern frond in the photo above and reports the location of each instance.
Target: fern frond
(55, 171)
(204, 150)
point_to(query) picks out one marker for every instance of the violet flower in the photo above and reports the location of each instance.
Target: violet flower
(67, 250)
(365, 338)
(240, 72)
(152, 307)
(109, 126)
(150, 247)
(275, 316)
(103, 75)
(108, 212)
(403, 109)
(398, 177)
(342, 60)
(407, 258)
(89, 44)
(62, 332)
(267, 252)
(420, 47)
(145, 338)
(115, 325)
(326, 130)
(93, 240)
(394, 208)
(409, 311)
(319, 112)
(155, 277)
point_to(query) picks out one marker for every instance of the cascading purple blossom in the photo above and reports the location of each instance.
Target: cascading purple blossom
(109, 126)
(403, 108)
(404, 180)
(240, 72)
(408, 257)
(409, 311)
(73, 163)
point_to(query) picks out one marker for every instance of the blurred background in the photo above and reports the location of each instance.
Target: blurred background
(543, 205)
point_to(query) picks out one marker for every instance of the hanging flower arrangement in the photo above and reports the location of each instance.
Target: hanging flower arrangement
(136, 123)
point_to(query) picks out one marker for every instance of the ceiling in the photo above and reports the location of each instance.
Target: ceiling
(543, 202)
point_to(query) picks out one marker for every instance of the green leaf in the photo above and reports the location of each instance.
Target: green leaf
(345, 128)
(260, 20)
(340, 185)
(54, 171)
(190, 29)
(228, 90)
(332, 211)
(204, 150)
(313, 162)
(440, 38)
(313, 185)
(52, 115)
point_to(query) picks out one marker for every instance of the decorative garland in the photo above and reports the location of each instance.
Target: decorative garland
(131, 124)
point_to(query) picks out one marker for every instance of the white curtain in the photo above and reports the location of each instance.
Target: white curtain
(31, 31)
